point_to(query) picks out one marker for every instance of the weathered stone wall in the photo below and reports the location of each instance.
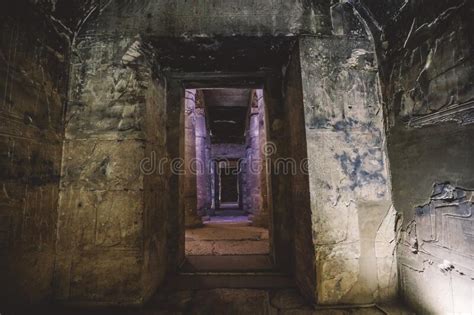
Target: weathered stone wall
(219, 17)
(428, 89)
(117, 226)
(157, 205)
(203, 151)
(279, 189)
(304, 261)
(189, 188)
(251, 185)
(352, 214)
(265, 214)
(33, 71)
(111, 230)
(255, 174)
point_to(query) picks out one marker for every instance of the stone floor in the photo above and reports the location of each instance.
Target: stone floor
(227, 236)
(229, 243)
(225, 301)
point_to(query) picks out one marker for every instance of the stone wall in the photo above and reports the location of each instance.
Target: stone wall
(352, 214)
(111, 231)
(266, 215)
(119, 228)
(299, 194)
(33, 71)
(189, 188)
(203, 156)
(255, 173)
(429, 93)
(218, 17)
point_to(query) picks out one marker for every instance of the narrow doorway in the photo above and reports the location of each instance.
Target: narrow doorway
(228, 174)
(225, 131)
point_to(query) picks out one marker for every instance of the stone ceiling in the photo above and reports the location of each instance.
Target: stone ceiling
(227, 113)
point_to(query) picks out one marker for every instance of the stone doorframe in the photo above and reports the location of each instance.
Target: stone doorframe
(281, 213)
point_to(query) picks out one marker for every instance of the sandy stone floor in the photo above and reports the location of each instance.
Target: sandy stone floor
(227, 236)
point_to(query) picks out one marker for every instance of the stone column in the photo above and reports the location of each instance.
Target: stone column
(109, 248)
(202, 180)
(256, 172)
(350, 196)
(191, 218)
(264, 177)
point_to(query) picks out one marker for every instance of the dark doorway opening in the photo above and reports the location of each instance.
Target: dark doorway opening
(210, 74)
(229, 131)
(229, 180)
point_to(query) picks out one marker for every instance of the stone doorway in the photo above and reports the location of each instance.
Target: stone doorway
(264, 255)
(227, 228)
(164, 198)
(229, 180)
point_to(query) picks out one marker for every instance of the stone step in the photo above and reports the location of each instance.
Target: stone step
(229, 213)
(228, 263)
(214, 280)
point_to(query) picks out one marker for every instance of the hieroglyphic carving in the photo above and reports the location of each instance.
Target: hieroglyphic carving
(446, 223)
(460, 113)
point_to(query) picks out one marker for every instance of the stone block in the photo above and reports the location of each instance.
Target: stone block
(100, 219)
(103, 165)
(336, 278)
(108, 276)
(110, 105)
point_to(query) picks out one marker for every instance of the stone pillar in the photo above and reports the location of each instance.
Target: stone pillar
(264, 178)
(348, 179)
(253, 164)
(212, 173)
(202, 157)
(191, 218)
(256, 161)
(109, 249)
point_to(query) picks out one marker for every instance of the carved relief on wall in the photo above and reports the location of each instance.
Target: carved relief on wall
(446, 224)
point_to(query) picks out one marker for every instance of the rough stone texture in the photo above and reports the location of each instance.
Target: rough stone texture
(254, 191)
(348, 174)
(33, 71)
(445, 222)
(182, 18)
(189, 188)
(305, 271)
(203, 157)
(424, 53)
(278, 186)
(108, 207)
(428, 92)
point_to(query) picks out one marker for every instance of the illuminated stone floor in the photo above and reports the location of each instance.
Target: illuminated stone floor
(227, 236)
